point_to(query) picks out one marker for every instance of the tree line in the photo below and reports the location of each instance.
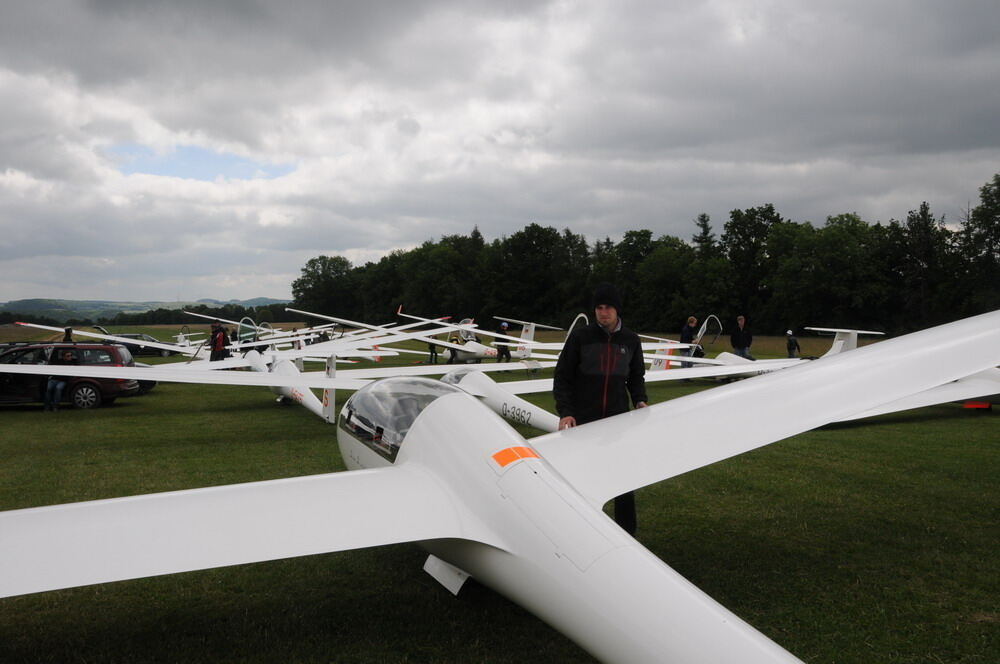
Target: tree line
(897, 277)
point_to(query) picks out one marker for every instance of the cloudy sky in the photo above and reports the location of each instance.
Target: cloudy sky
(184, 149)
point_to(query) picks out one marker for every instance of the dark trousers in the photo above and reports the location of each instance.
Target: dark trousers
(625, 512)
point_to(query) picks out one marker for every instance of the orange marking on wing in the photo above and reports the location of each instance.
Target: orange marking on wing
(504, 457)
(511, 454)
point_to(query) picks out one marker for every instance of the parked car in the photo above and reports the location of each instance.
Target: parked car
(138, 348)
(81, 392)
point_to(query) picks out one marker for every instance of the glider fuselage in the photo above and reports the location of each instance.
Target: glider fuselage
(552, 552)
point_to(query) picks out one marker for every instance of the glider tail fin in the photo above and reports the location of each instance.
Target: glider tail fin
(330, 395)
(844, 339)
(527, 336)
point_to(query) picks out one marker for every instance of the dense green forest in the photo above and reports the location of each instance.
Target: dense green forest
(897, 277)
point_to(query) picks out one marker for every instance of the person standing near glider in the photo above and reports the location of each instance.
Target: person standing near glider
(688, 336)
(600, 368)
(217, 342)
(791, 344)
(503, 350)
(741, 338)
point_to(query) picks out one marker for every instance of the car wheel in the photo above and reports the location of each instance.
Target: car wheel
(85, 395)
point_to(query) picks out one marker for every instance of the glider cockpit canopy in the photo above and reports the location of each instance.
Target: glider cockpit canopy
(381, 414)
(455, 376)
(467, 335)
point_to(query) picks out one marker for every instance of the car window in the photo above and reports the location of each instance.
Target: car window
(27, 356)
(97, 356)
(59, 352)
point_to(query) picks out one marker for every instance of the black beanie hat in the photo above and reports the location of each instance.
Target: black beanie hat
(607, 294)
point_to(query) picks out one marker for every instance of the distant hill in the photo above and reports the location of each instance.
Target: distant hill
(253, 302)
(63, 310)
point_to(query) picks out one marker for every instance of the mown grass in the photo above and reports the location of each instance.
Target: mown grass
(869, 542)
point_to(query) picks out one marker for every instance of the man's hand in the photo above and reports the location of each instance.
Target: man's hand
(567, 422)
(641, 404)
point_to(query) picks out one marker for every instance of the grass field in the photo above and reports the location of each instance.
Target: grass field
(869, 542)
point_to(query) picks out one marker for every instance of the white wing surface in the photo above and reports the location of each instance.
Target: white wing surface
(537, 385)
(609, 457)
(204, 373)
(63, 546)
(174, 348)
(983, 384)
(313, 379)
(436, 369)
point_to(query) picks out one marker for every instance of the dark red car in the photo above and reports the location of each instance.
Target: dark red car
(81, 392)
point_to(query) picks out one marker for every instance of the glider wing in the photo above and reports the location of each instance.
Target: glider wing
(63, 546)
(983, 384)
(315, 379)
(174, 348)
(606, 458)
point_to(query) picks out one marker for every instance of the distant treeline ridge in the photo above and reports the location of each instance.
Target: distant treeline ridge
(895, 277)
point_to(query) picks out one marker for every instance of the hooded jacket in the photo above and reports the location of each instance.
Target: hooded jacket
(598, 372)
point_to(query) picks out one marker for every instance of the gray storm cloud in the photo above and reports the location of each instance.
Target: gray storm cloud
(405, 121)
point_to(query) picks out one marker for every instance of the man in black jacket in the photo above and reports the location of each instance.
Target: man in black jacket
(741, 338)
(600, 368)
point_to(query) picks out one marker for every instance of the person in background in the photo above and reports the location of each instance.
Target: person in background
(217, 342)
(57, 384)
(741, 339)
(432, 351)
(688, 333)
(792, 344)
(503, 350)
(599, 370)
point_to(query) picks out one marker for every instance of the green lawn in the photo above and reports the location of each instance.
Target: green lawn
(869, 542)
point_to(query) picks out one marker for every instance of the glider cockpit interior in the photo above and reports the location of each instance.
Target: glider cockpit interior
(379, 415)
